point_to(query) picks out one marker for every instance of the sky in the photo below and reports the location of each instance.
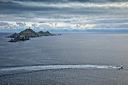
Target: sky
(63, 14)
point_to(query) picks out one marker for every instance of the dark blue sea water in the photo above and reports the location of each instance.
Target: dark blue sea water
(69, 59)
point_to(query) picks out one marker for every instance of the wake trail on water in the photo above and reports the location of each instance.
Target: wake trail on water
(22, 69)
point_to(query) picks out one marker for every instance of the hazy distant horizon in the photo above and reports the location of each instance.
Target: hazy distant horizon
(69, 30)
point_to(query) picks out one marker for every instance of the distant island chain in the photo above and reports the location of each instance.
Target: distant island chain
(27, 34)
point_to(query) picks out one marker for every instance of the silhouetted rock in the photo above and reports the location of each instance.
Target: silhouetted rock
(19, 38)
(14, 35)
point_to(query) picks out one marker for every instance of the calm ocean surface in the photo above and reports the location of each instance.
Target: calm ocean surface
(69, 59)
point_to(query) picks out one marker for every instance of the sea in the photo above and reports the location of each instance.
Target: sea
(67, 59)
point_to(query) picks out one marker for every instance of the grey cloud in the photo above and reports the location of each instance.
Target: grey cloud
(74, 0)
(102, 15)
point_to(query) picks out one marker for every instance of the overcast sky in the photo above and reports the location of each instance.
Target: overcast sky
(64, 14)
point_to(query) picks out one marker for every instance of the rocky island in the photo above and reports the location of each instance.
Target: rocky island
(27, 34)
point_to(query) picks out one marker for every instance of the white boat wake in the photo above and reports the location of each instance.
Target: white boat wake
(13, 70)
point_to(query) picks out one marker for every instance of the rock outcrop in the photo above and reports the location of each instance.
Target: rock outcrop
(27, 34)
(47, 33)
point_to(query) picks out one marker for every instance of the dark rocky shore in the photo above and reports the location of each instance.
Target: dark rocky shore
(27, 34)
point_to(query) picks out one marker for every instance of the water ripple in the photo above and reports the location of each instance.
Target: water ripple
(13, 70)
